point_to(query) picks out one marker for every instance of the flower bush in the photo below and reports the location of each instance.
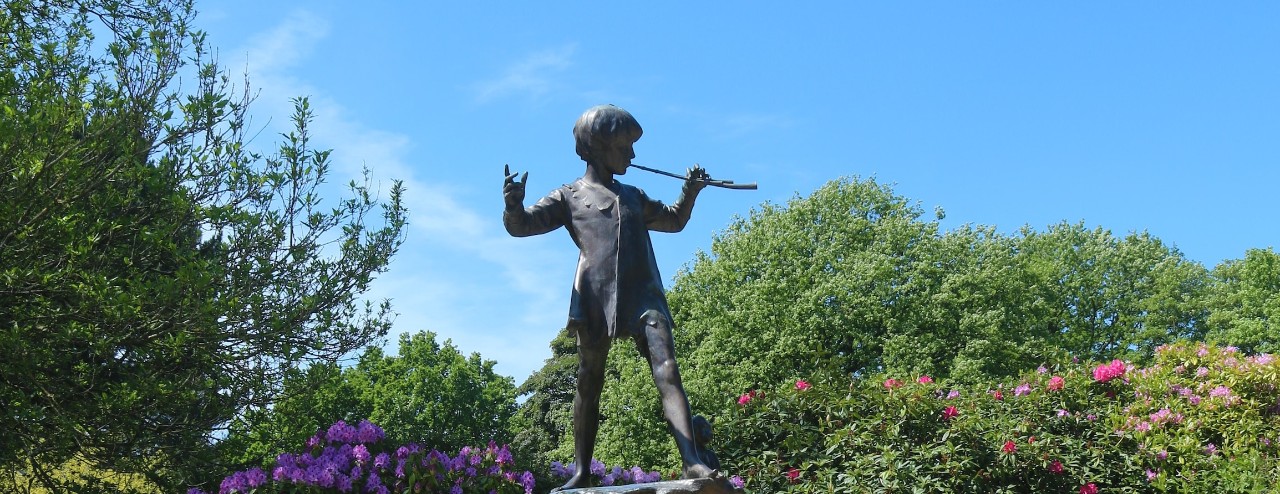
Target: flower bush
(1200, 418)
(357, 459)
(606, 475)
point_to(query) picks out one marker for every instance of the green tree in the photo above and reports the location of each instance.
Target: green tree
(1245, 302)
(851, 281)
(430, 394)
(1106, 297)
(158, 278)
(545, 417)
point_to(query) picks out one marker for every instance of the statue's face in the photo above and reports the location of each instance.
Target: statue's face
(616, 156)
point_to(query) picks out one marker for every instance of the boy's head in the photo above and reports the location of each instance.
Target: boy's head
(601, 126)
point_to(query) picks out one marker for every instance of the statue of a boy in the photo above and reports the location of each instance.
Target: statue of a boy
(617, 292)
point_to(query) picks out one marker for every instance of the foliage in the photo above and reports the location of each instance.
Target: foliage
(360, 458)
(1245, 302)
(851, 281)
(429, 394)
(546, 415)
(1169, 427)
(158, 278)
(605, 475)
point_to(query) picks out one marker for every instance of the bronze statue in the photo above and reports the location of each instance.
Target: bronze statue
(617, 292)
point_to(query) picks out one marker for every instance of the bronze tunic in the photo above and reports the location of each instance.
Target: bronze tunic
(617, 279)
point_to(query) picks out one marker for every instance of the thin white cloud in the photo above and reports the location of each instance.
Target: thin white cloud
(463, 301)
(533, 76)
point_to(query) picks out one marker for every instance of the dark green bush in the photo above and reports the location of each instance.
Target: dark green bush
(1199, 419)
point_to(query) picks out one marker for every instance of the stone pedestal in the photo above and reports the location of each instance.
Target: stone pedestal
(689, 486)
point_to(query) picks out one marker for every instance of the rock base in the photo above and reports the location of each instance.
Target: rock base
(688, 486)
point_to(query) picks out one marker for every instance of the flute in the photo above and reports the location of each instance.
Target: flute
(727, 184)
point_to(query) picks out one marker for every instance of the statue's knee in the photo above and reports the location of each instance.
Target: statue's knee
(655, 320)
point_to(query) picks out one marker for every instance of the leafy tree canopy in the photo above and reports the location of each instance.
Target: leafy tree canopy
(158, 278)
(852, 281)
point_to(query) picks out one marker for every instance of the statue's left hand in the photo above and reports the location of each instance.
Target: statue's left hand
(695, 179)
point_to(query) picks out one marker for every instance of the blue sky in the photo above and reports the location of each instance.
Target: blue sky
(1131, 116)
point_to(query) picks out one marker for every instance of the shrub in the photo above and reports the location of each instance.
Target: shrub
(349, 458)
(1199, 419)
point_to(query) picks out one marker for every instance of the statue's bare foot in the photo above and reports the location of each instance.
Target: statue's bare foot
(700, 471)
(578, 481)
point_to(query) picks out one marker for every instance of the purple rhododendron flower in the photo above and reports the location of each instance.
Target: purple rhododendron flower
(368, 433)
(736, 482)
(361, 454)
(1022, 389)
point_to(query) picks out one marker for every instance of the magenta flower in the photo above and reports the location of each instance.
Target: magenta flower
(1089, 488)
(925, 379)
(892, 383)
(736, 482)
(748, 396)
(1055, 383)
(802, 385)
(1107, 372)
(950, 413)
(1151, 475)
(997, 395)
(1009, 447)
(1056, 468)
(793, 475)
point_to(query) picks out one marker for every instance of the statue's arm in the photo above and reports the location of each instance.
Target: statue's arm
(544, 216)
(673, 218)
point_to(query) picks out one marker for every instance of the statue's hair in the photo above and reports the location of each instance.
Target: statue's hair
(602, 125)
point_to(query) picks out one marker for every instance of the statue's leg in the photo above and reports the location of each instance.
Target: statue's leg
(658, 347)
(586, 407)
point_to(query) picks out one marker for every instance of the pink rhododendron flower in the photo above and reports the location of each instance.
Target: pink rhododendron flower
(793, 475)
(1089, 488)
(891, 383)
(1107, 372)
(748, 396)
(1009, 447)
(924, 379)
(1055, 383)
(802, 385)
(997, 395)
(950, 413)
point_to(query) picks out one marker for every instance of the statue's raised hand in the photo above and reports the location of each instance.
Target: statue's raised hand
(513, 190)
(695, 179)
